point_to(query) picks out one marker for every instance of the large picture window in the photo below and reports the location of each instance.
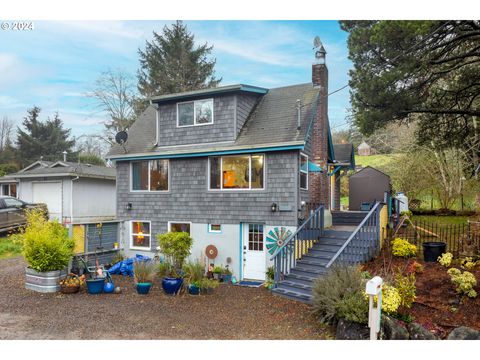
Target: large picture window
(140, 233)
(239, 172)
(199, 112)
(150, 175)
(303, 172)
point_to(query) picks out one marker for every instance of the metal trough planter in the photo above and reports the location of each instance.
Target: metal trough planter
(44, 282)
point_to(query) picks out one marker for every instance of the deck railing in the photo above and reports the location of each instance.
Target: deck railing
(298, 244)
(364, 243)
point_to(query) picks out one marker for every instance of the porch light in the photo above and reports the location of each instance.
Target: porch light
(274, 207)
(128, 206)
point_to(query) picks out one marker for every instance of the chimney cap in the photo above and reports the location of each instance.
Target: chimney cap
(320, 51)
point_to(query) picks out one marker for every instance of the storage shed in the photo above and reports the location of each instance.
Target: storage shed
(367, 186)
(364, 149)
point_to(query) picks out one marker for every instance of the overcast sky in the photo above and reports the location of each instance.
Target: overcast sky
(54, 65)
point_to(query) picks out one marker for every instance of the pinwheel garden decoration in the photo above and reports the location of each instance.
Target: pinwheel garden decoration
(276, 238)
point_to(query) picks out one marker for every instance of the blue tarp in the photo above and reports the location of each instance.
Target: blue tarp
(125, 267)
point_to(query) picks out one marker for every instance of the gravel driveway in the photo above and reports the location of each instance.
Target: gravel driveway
(232, 312)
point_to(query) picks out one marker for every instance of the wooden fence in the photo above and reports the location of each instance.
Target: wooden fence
(461, 239)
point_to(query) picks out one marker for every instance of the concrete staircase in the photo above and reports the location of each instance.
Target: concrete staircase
(298, 283)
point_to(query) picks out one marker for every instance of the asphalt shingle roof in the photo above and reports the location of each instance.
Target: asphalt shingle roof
(272, 122)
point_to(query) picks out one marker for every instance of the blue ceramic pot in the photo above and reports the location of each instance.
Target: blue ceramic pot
(193, 290)
(143, 288)
(171, 286)
(227, 278)
(95, 286)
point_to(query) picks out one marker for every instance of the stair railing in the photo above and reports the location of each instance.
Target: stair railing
(364, 243)
(296, 245)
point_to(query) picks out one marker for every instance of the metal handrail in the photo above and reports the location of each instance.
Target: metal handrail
(300, 228)
(372, 211)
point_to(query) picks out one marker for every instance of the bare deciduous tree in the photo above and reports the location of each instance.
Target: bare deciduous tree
(6, 127)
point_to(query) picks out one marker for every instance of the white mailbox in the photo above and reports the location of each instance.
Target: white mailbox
(374, 288)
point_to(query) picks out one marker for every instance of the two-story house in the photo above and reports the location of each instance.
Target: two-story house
(234, 166)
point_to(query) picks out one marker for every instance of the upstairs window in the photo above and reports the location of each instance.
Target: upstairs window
(303, 172)
(150, 175)
(191, 113)
(239, 172)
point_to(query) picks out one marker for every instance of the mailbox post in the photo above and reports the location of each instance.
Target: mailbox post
(374, 288)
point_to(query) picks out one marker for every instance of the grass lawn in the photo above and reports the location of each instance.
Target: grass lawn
(8, 248)
(379, 161)
(442, 220)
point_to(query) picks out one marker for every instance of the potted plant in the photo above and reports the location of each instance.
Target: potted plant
(217, 272)
(227, 275)
(207, 286)
(193, 273)
(143, 273)
(175, 247)
(47, 250)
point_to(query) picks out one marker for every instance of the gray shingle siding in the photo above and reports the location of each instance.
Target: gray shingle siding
(222, 128)
(245, 104)
(190, 200)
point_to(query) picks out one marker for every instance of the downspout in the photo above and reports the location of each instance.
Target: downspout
(70, 231)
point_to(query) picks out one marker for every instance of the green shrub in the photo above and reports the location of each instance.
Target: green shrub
(340, 295)
(406, 289)
(193, 272)
(175, 246)
(402, 248)
(143, 271)
(166, 269)
(464, 281)
(46, 245)
(445, 259)
(391, 299)
(207, 284)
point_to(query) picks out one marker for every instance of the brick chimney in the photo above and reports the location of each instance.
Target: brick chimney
(319, 183)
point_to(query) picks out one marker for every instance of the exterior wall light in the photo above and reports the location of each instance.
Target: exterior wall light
(128, 206)
(274, 207)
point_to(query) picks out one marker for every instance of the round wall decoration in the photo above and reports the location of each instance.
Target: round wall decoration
(211, 251)
(276, 238)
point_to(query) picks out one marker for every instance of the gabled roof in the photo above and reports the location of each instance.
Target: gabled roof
(65, 168)
(344, 155)
(271, 124)
(364, 172)
(363, 145)
(37, 164)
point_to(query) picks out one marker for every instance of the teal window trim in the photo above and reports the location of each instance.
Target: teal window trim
(211, 153)
(210, 231)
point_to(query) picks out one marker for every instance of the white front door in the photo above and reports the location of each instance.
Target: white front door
(49, 193)
(254, 252)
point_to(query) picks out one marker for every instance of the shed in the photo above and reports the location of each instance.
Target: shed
(367, 186)
(364, 149)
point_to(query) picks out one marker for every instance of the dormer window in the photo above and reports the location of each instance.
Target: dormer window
(192, 113)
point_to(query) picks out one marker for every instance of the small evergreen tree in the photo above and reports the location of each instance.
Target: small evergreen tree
(47, 139)
(170, 63)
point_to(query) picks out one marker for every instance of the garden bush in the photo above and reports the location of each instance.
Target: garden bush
(468, 263)
(340, 295)
(175, 246)
(406, 289)
(445, 259)
(46, 245)
(464, 281)
(402, 248)
(391, 299)
(193, 272)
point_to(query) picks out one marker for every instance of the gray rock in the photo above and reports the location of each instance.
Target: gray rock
(392, 330)
(418, 332)
(464, 333)
(347, 330)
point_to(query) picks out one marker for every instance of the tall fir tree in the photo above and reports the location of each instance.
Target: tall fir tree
(46, 139)
(171, 63)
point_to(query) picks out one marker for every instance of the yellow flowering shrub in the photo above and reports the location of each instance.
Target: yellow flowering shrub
(402, 248)
(445, 259)
(468, 263)
(391, 299)
(406, 288)
(464, 281)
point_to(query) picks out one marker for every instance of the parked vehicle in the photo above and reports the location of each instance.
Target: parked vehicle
(12, 212)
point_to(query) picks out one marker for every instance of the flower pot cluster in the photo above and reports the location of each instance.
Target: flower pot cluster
(222, 274)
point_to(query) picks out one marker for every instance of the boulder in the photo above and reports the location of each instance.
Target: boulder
(347, 330)
(464, 333)
(418, 332)
(392, 330)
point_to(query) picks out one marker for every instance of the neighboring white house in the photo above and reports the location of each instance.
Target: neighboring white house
(74, 193)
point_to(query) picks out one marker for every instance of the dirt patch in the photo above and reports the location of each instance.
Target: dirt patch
(437, 307)
(232, 312)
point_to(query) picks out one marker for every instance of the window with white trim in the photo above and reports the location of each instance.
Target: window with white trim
(179, 227)
(150, 175)
(214, 228)
(237, 172)
(140, 234)
(9, 190)
(303, 172)
(198, 112)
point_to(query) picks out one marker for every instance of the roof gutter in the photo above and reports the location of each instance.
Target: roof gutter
(247, 150)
